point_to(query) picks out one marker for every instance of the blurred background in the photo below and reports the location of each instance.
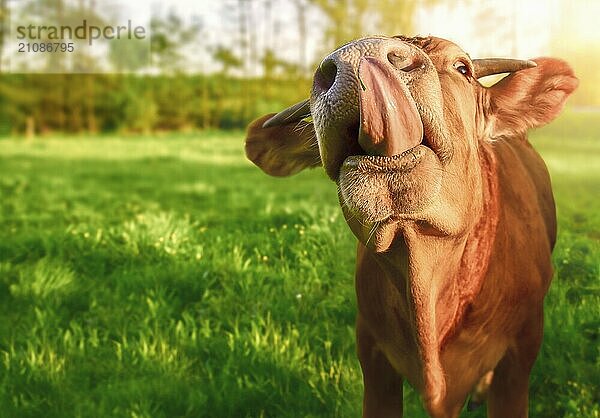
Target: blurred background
(148, 270)
(217, 65)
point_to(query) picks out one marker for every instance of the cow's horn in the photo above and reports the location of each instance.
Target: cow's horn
(489, 66)
(293, 113)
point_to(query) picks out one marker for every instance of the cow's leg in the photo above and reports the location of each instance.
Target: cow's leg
(383, 385)
(508, 395)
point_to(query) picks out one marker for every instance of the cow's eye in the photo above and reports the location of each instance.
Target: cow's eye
(462, 68)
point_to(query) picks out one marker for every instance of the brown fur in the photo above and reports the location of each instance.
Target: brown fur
(272, 151)
(453, 258)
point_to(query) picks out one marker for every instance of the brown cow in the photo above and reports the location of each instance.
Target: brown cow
(451, 205)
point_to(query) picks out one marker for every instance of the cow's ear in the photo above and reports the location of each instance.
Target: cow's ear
(282, 150)
(529, 98)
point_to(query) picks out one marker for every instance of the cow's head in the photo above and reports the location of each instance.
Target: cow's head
(398, 124)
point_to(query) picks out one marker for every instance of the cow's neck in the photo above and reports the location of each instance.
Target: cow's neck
(444, 275)
(477, 249)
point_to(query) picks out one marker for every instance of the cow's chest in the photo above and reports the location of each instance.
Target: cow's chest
(387, 310)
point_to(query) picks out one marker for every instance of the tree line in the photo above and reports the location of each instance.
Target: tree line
(248, 69)
(249, 75)
(37, 104)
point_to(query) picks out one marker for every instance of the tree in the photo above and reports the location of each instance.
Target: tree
(351, 19)
(3, 29)
(301, 6)
(341, 25)
(170, 35)
(228, 60)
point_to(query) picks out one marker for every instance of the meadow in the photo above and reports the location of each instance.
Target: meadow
(168, 277)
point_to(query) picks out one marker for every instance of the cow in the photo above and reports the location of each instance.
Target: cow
(451, 205)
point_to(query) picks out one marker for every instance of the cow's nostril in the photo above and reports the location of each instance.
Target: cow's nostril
(404, 63)
(325, 75)
(397, 60)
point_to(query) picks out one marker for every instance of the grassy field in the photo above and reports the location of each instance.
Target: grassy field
(170, 278)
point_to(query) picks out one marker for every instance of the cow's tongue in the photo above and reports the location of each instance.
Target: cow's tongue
(389, 121)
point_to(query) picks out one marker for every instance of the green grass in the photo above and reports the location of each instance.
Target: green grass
(147, 277)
